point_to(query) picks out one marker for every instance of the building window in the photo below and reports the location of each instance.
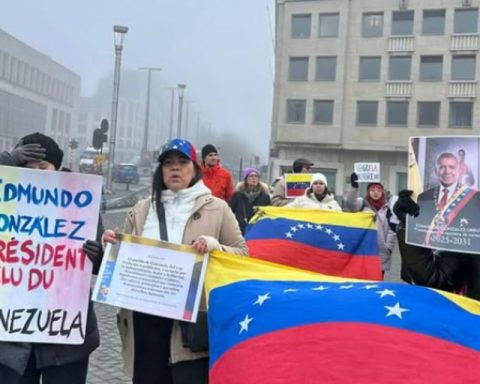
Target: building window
(298, 69)
(367, 112)
(372, 24)
(326, 68)
(431, 68)
(301, 26)
(369, 69)
(465, 21)
(463, 68)
(402, 23)
(428, 114)
(461, 114)
(400, 68)
(328, 25)
(397, 113)
(323, 112)
(433, 22)
(296, 111)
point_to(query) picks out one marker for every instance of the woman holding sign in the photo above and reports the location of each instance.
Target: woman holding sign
(183, 209)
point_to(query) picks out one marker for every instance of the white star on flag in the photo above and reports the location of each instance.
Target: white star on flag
(244, 324)
(301, 226)
(290, 290)
(288, 235)
(341, 246)
(386, 292)
(261, 299)
(328, 231)
(319, 227)
(346, 286)
(320, 288)
(175, 146)
(370, 286)
(293, 229)
(396, 310)
(336, 237)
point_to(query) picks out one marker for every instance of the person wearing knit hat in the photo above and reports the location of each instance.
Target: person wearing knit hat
(218, 179)
(300, 165)
(317, 196)
(250, 193)
(53, 154)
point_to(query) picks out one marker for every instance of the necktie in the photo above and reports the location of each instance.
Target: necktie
(443, 200)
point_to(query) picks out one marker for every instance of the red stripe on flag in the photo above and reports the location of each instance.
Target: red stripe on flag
(295, 192)
(314, 259)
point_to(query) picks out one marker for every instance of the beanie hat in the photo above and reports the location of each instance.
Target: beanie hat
(318, 177)
(209, 148)
(298, 164)
(248, 171)
(53, 154)
(178, 145)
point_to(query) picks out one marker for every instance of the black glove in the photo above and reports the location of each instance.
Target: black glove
(24, 153)
(405, 206)
(353, 180)
(94, 252)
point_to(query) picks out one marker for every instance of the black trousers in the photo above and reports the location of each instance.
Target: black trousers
(72, 373)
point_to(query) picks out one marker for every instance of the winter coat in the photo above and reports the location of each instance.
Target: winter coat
(278, 195)
(210, 217)
(386, 237)
(309, 200)
(219, 181)
(243, 208)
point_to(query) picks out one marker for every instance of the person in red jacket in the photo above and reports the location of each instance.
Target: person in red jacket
(216, 178)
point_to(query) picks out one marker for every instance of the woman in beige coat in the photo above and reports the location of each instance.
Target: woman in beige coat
(152, 346)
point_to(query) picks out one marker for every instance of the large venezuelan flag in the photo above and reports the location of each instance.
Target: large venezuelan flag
(335, 243)
(273, 324)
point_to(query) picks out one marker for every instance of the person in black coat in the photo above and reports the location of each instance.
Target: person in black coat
(249, 193)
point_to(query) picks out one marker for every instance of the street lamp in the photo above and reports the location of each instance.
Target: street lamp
(147, 109)
(181, 90)
(172, 108)
(119, 34)
(187, 117)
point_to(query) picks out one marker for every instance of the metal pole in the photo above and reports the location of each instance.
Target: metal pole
(147, 107)
(198, 127)
(181, 88)
(172, 108)
(187, 117)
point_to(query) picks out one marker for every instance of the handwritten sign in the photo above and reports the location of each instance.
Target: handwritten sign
(296, 184)
(367, 172)
(45, 217)
(152, 277)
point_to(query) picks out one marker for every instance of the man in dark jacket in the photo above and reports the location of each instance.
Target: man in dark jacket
(300, 165)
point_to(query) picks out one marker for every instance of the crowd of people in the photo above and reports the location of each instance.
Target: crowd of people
(194, 202)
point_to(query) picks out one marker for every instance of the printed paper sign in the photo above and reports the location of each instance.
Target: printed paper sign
(367, 172)
(153, 277)
(296, 184)
(45, 217)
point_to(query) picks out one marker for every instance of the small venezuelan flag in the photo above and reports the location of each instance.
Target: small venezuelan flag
(296, 184)
(273, 324)
(330, 242)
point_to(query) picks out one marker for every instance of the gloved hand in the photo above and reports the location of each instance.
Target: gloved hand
(405, 206)
(24, 153)
(94, 251)
(354, 180)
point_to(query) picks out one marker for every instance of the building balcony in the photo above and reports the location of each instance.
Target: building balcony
(464, 42)
(398, 89)
(401, 44)
(462, 89)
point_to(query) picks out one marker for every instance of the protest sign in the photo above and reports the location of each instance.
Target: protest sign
(45, 217)
(296, 184)
(367, 172)
(153, 277)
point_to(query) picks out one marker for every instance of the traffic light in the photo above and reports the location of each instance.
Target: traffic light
(98, 139)
(73, 144)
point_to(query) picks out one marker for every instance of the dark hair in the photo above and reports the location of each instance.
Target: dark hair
(158, 184)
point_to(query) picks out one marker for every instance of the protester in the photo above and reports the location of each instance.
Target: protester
(374, 201)
(300, 165)
(184, 207)
(249, 193)
(216, 178)
(449, 271)
(317, 196)
(32, 363)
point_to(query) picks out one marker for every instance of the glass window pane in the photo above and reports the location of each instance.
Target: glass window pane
(399, 68)
(465, 21)
(296, 111)
(369, 69)
(431, 68)
(301, 26)
(367, 112)
(433, 22)
(402, 23)
(328, 25)
(397, 113)
(428, 114)
(323, 111)
(461, 115)
(326, 68)
(463, 68)
(298, 69)
(372, 25)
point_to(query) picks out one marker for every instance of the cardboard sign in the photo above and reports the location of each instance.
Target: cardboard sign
(367, 172)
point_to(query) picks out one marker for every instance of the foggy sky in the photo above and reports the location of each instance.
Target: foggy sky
(222, 49)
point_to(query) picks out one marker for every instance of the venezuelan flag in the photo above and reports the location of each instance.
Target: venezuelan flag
(334, 243)
(296, 184)
(273, 324)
